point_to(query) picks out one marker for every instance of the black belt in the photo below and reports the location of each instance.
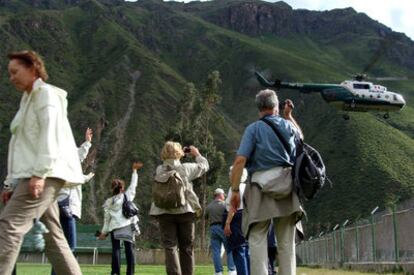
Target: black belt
(215, 223)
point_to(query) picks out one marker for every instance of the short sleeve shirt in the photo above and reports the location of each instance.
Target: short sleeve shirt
(263, 149)
(215, 210)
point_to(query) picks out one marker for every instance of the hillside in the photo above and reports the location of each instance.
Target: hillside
(125, 66)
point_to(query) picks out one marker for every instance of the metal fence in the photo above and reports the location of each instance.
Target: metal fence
(384, 237)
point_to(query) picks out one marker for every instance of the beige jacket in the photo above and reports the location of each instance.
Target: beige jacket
(259, 206)
(42, 142)
(188, 172)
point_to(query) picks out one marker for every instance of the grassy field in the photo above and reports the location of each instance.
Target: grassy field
(38, 269)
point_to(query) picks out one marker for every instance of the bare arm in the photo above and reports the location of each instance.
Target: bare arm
(236, 174)
(196, 170)
(237, 171)
(287, 114)
(132, 188)
(227, 230)
(84, 148)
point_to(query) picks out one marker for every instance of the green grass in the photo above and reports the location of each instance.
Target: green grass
(368, 159)
(39, 269)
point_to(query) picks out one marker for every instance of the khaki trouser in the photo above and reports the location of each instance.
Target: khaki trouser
(285, 236)
(178, 231)
(17, 219)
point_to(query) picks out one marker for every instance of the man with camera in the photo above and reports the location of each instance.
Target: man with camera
(269, 194)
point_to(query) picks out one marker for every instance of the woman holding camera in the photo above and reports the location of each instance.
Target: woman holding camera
(177, 224)
(42, 158)
(120, 227)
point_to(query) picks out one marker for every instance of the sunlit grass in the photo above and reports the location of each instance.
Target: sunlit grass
(42, 269)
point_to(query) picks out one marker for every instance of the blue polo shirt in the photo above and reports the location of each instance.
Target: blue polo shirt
(263, 149)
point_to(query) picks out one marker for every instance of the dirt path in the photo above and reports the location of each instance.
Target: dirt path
(115, 150)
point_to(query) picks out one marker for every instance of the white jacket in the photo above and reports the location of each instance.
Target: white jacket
(113, 218)
(42, 142)
(75, 193)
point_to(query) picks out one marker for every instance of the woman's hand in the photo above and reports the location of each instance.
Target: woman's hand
(88, 134)
(5, 196)
(102, 236)
(36, 186)
(137, 165)
(194, 151)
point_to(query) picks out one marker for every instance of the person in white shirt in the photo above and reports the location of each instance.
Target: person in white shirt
(237, 244)
(70, 198)
(117, 225)
(42, 158)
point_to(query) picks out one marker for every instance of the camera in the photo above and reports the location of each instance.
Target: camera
(187, 150)
(284, 103)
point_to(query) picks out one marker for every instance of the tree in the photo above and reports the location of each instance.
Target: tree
(197, 115)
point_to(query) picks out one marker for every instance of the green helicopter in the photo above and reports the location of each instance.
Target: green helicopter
(355, 95)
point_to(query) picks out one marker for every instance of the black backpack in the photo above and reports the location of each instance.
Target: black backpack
(129, 209)
(308, 171)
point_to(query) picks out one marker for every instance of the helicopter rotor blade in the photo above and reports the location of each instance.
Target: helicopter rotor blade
(389, 78)
(384, 45)
(263, 81)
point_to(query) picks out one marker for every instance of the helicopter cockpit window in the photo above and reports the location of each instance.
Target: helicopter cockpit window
(361, 86)
(395, 97)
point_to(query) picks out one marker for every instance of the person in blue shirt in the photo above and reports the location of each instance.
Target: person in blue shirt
(269, 166)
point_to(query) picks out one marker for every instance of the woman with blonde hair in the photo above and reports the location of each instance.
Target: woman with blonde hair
(42, 158)
(177, 224)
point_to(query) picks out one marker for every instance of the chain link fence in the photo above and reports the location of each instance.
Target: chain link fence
(386, 237)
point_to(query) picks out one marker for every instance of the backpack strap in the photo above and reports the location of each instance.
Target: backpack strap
(278, 134)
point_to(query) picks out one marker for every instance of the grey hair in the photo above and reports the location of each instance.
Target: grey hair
(267, 99)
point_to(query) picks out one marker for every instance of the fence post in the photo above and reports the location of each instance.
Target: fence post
(374, 256)
(341, 244)
(306, 252)
(326, 248)
(394, 222)
(334, 246)
(357, 242)
(343, 241)
(334, 242)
